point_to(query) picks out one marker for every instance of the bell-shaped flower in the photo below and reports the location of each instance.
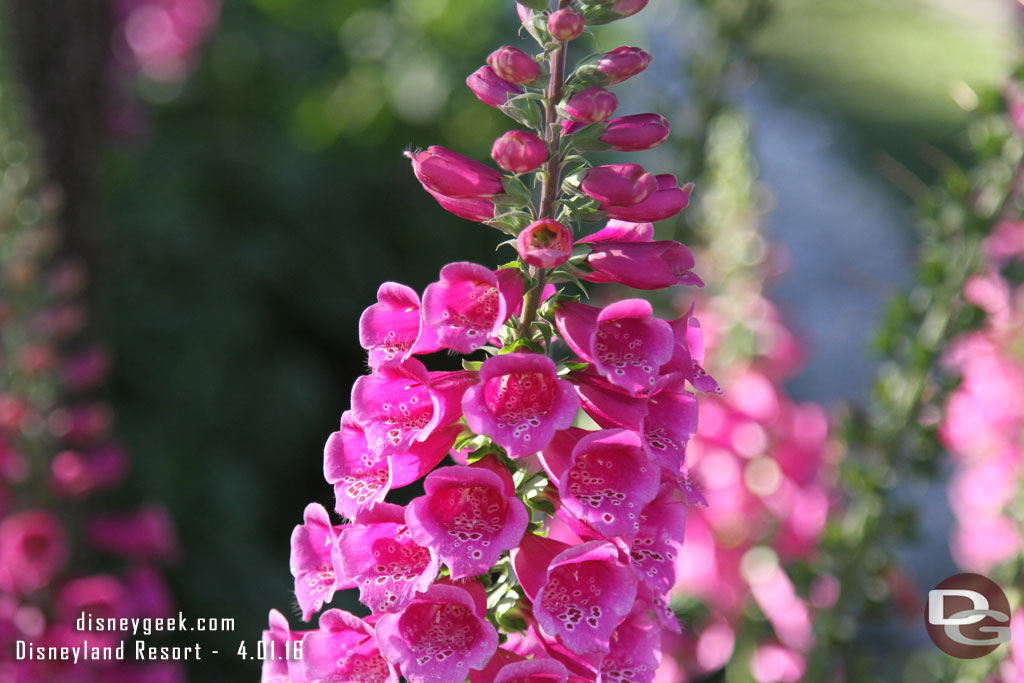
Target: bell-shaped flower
(403, 405)
(466, 308)
(361, 478)
(619, 184)
(635, 133)
(440, 636)
(490, 88)
(513, 65)
(344, 649)
(314, 560)
(545, 243)
(33, 548)
(519, 151)
(509, 667)
(655, 548)
(380, 556)
(580, 594)
(455, 175)
(279, 664)
(623, 340)
(668, 200)
(605, 481)
(390, 328)
(688, 353)
(642, 265)
(634, 649)
(519, 402)
(468, 517)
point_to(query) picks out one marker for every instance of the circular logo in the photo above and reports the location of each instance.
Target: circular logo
(967, 616)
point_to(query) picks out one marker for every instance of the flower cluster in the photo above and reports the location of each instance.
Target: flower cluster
(61, 557)
(548, 549)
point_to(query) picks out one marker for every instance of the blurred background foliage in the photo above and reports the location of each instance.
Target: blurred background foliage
(267, 198)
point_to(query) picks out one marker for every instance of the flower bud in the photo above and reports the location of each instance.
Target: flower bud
(622, 63)
(667, 201)
(545, 243)
(619, 184)
(519, 151)
(565, 25)
(636, 133)
(605, 11)
(627, 8)
(592, 105)
(454, 175)
(490, 88)
(514, 65)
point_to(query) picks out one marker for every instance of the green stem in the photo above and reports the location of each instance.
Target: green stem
(551, 177)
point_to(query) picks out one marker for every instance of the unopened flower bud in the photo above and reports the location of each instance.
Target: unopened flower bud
(519, 151)
(565, 25)
(619, 184)
(454, 175)
(490, 88)
(513, 65)
(636, 133)
(545, 243)
(592, 105)
(623, 63)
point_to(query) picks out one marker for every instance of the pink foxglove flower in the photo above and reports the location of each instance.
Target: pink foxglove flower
(624, 341)
(520, 402)
(642, 265)
(468, 306)
(490, 88)
(623, 63)
(314, 560)
(344, 648)
(606, 480)
(545, 243)
(519, 151)
(469, 516)
(619, 184)
(634, 649)
(655, 549)
(401, 406)
(147, 534)
(439, 637)
(565, 24)
(513, 65)
(476, 210)
(636, 133)
(667, 201)
(390, 328)
(454, 175)
(688, 354)
(279, 639)
(592, 105)
(580, 595)
(379, 554)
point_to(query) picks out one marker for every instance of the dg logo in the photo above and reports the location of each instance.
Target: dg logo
(967, 616)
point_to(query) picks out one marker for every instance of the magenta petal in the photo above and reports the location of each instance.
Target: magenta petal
(629, 345)
(520, 402)
(666, 202)
(476, 210)
(278, 640)
(587, 592)
(533, 671)
(464, 307)
(670, 423)
(642, 265)
(531, 559)
(360, 477)
(510, 286)
(688, 353)
(621, 231)
(385, 562)
(635, 650)
(467, 518)
(556, 457)
(314, 560)
(577, 323)
(610, 481)
(439, 638)
(609, 405)
(656, 546)
(395, 407)
(390, 328)
(423, 456)
(344, 648)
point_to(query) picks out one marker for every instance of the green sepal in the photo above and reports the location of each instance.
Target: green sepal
(524, 109)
